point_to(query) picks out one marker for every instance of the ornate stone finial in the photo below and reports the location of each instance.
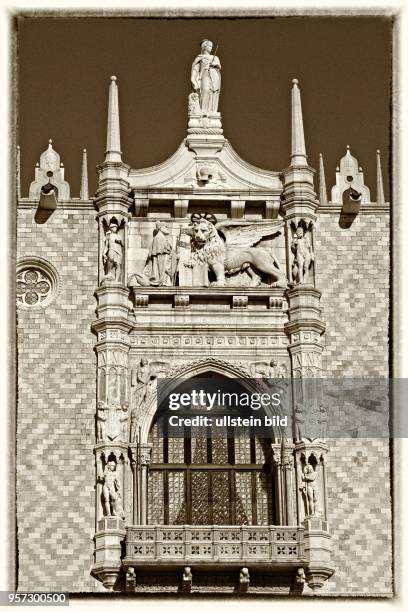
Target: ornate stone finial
(113, 152)
(18, 173)
(350, 179)
(50, 171)
(380, 186)
(298, 156)
(322, 183)
(84, 193)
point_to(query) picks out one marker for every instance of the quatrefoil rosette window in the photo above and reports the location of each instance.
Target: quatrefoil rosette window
(37, 283)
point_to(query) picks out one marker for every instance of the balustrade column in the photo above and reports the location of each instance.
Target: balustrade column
(145, 452)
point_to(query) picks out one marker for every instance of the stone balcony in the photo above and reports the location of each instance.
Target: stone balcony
(214, 545)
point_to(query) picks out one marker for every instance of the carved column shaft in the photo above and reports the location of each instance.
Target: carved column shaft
(141, 457)
(283, 462)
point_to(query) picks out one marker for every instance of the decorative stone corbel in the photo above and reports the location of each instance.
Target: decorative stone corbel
(130, 580)
(300, 580)
(239, 301)
(187, 580)
(244, 580)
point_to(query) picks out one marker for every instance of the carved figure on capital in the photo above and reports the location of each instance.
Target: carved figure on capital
(101, 418)
(310, 421)
(303, 255)
(310, 490)
(227, 249)
(145, 454)
(112, 256)
(143, 379)
(111, 421)
(111, 493)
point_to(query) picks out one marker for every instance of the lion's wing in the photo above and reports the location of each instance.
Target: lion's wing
(246, 234)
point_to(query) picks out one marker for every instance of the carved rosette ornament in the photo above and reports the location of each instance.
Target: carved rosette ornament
(37, 283)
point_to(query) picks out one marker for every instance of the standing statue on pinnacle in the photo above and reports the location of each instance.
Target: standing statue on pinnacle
(206, 79)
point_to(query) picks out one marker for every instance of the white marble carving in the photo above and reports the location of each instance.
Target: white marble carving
(226, 248)
(112, 256)
(161, 262)
(206, 78)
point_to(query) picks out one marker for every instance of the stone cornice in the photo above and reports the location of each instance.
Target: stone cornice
(365, 209)
(72, 204)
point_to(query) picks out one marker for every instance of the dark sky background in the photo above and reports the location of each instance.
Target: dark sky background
(343, 65)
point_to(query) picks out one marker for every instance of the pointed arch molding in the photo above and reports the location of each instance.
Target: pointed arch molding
(189, 369)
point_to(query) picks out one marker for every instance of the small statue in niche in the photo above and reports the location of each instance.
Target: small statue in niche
(111, 496)
(101, 418)
(303, 256)
(161, 262)
(310, 490)
(299, 422)
(123, 419)
(319, 418)
(112, 256)
(322, 420)
(134, 424)
(206, 78)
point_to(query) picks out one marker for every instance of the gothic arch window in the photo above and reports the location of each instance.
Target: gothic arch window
(210, 479)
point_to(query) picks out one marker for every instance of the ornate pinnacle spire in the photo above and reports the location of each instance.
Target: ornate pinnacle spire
(380, 186)
(84, 193)
(18, 173)
(298, 156)
(113, 152)
(322, 183)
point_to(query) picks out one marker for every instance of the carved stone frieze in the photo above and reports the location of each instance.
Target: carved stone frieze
(176, 340)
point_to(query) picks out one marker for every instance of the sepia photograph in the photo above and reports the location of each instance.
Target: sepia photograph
(202, 206)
